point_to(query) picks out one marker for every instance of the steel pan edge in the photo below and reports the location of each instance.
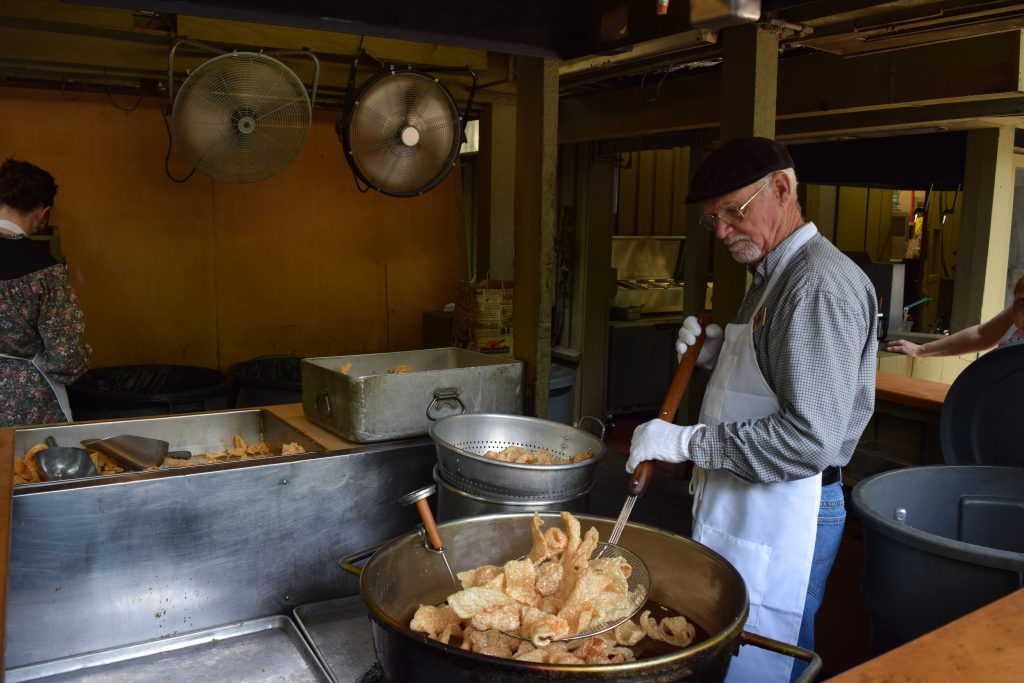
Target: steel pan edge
(408, 656)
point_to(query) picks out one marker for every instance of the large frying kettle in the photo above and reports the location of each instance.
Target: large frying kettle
(406, 572)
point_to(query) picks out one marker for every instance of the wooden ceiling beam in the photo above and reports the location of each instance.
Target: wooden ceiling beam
(972, 75)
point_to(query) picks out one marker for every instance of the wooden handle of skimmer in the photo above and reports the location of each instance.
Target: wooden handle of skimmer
(423, 507)
(642, 474)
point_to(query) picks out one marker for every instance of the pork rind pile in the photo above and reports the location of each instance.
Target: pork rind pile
(539, 457)
(525, 608)
(240, 451)
(27, 471)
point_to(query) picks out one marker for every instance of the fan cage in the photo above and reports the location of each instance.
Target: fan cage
(241, 117)
(372, 133)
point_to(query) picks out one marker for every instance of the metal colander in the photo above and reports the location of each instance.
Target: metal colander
(462, 440)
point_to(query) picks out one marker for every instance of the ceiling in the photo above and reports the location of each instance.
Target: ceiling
(121, 46)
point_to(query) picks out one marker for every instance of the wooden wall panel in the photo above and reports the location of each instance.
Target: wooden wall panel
(646, 163)
(661, 221)
(652, 189)
(680, 186)
(628, 186)
(209, 273)
(851, 218)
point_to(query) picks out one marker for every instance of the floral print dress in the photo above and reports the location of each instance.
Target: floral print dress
(39, 314)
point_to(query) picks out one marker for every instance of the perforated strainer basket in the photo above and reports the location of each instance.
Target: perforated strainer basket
(638, 588)
(462, 440)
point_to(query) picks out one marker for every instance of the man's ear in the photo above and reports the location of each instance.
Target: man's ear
(781, 186)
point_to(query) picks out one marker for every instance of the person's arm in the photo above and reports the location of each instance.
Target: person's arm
(61, 324)
(973, 339)
(816, 374)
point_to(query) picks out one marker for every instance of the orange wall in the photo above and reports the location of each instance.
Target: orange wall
(210, 273)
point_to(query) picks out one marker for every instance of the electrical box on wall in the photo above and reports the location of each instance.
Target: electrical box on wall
(715, 14)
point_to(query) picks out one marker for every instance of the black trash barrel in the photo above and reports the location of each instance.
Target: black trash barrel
(268, 381)
(135, 390)
(939, 542)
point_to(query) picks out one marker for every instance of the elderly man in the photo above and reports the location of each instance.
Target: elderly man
(791, 390)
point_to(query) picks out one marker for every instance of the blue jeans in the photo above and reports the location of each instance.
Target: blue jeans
(831, 518)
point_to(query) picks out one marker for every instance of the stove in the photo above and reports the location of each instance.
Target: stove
(652, 295)
(649, 272)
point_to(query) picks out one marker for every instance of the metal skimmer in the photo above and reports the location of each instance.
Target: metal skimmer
(419, 497)
(642, 475)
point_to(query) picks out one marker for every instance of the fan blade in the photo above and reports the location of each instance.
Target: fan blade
(402, 134)
(242, 117)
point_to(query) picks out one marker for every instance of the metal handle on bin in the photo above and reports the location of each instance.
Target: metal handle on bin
(812, 658)
(583, 419)
(348, 563)
(323, 403)
(449, 394)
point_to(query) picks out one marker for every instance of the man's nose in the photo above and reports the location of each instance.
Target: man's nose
(722, 229)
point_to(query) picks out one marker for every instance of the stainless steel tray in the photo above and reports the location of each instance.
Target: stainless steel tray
(339, 631)
(369, 402)
(267, 649)
(195, 432)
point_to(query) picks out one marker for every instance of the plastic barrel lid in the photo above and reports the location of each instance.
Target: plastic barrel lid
(981, 416)
(561, 377)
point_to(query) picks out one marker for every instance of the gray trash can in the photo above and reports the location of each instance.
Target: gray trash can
(268, 381)
(939, 542)
(138, 390)
(560, 404)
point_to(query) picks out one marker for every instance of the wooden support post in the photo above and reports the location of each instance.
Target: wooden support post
(496, 192)
(750, 68)
(6, 488)
(696, 262)
(984, 249)
(535, 224)
(595, 221)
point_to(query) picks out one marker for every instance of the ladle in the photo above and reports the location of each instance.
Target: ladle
(133, 452)
(64, 462)
(419, 497)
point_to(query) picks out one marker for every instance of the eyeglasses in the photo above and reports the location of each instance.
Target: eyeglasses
(731, 215)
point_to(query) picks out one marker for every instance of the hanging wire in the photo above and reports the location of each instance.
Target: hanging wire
(126, 110)
(657, 91)
(170, 146)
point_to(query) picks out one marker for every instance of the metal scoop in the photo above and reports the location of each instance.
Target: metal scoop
(419, 497)
(133, 452)
(58, 463)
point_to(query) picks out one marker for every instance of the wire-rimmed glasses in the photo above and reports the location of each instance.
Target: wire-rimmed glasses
(731, 215)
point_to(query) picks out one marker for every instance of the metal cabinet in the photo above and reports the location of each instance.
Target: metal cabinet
(641, 360)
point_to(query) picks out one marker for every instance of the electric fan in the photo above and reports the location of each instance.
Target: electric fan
(242, 117)
(402, 132)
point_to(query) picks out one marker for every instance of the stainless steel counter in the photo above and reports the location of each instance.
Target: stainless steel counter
(100, 564)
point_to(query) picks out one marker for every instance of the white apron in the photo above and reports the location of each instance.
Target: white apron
(59, 390)
(767, 531)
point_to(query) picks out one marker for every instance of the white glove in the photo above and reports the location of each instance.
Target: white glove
(713, 339)
(660, 440)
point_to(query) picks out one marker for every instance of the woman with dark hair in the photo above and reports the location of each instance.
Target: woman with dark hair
(41, 323)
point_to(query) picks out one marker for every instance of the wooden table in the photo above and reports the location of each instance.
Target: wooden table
(985, 646)
(293, 414)
(910, 391)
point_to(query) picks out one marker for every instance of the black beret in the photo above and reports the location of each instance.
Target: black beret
(735, 164)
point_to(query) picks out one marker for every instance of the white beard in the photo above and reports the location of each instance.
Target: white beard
(744, 251)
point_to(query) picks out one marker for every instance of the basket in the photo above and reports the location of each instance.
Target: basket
(462, 440)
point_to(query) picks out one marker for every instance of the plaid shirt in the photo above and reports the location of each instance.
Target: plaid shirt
(818, 353)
